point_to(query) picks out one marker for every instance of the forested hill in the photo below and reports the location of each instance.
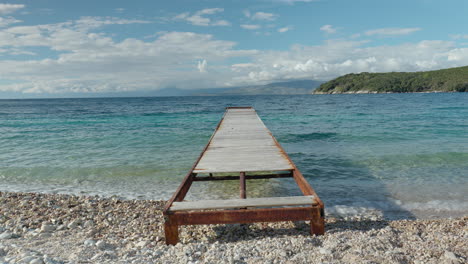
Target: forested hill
(446, 80)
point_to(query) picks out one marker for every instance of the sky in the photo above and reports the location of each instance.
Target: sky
(71, 48)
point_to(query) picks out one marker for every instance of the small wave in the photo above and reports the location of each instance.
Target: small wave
(396, 209)
(418, 160)
(342, 211)
(451, 108)
(438, 206)
(293, 138)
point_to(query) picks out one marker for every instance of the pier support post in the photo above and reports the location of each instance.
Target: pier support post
(243, 194)
(317, 222)
(171, 232)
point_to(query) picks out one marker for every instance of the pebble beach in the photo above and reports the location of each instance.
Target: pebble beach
(54, 228)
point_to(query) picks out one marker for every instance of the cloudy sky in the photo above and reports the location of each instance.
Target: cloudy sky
(66, 48)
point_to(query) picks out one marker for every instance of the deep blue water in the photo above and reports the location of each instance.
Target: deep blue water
(402, 155)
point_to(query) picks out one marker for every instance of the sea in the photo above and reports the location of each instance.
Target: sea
(398, 156)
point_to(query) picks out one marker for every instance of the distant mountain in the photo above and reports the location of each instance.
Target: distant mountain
(446, 80)
(287, 87)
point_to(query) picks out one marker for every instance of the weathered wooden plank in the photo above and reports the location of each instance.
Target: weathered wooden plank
(242, 203)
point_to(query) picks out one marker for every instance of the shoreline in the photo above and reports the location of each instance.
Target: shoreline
(59, 228)
(376, 92)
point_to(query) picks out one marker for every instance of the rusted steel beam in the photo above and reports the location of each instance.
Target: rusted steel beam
(185, 188)
(171, 232)
(243, 216)
(305, 187)
(317, 222)
(242, 187)
(247, 177)
(302, 183)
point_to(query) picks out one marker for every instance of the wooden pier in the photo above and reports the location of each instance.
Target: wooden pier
(242, 145)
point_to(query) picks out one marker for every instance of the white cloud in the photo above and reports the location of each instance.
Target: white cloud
(391, 31)
(9, 8)
(264, 16)
(338, 57)
(284, 29)
(328, 29)
(250, 27)
(6, 21)
(86, 23)
(199, 18)
(459, 36)
(202, 66)
(294, 1)
(88, 61)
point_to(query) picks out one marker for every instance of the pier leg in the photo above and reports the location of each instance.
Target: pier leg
(317, 223)
(171, 232)
(243, 194)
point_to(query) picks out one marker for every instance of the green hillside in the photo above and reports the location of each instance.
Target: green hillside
(446, 80)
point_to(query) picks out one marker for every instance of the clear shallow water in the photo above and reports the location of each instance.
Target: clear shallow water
(401, 155)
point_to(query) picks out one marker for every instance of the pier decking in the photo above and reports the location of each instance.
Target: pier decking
(242, 144)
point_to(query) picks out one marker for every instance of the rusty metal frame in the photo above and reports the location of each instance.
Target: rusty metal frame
(173, 219)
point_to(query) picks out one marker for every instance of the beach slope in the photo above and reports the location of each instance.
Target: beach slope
(51, 228)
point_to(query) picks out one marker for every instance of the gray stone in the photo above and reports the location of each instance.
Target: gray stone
(47, 228)
(89, 223)
(36, 261)
(3, 252)
(89, 242)
(95, 257)
(49, 260)
(27, 259)
(451, 257)
(45, 235)
(101, 245)
(6, 235)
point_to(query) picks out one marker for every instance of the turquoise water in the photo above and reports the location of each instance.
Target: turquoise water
(399, 155)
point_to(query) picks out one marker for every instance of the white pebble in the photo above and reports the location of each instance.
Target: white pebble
(324, 251)
(450, 255)
(141, 244)
(73, 224)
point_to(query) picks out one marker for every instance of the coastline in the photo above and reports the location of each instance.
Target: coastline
(376, 92)
(53, 228)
